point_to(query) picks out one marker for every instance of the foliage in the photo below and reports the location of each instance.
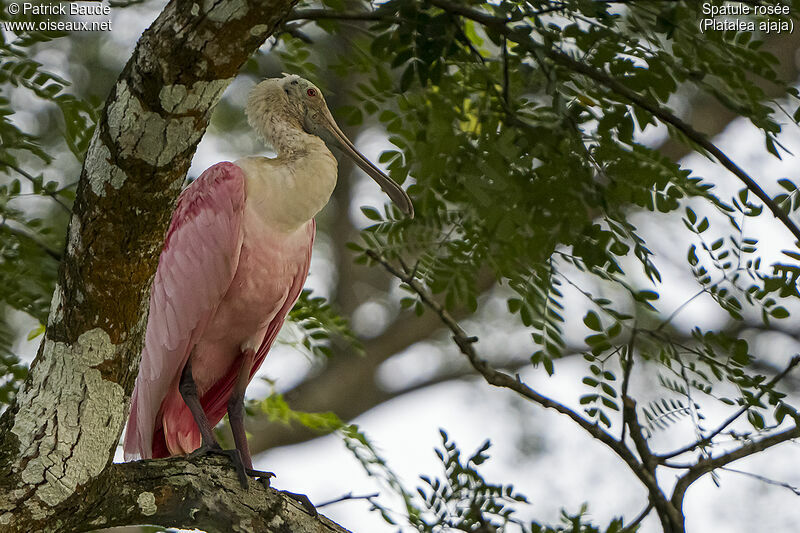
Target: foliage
(320, 324)
(484, 112)
(11, 371)
(518, 128)
(462, 500)
(278, 410)
(30, 239)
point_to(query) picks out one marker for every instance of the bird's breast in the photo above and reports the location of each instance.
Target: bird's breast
(287, 192)
(269, 263)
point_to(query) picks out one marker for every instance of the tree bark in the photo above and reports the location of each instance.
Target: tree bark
(57, 441)
(182, 493)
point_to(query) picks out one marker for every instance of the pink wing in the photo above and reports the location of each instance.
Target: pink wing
(195, 269)
(216, 399)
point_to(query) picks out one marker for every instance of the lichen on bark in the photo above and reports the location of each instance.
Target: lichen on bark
(67, 417)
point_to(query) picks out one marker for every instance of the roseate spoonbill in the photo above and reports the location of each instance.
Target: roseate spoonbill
(234, 262)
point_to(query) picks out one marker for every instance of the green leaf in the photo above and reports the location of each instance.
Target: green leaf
(38, 330)
(779, 312)
(371, 213)
(592, 321)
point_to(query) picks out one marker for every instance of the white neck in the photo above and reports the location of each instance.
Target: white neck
(286, 136)
(289, 190)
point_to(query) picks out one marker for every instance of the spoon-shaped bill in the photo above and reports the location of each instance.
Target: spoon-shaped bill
(395, 192)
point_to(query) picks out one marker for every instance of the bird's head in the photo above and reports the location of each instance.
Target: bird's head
(300, 102)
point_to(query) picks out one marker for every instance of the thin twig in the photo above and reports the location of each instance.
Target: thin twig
(764, 479)
(730, 420)
(348, 496)
(31, 179)
(671, 317)
(638, 520)
(626, 377)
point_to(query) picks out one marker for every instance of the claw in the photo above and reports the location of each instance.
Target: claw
(261, 476)
(205, 449)
(233, 455)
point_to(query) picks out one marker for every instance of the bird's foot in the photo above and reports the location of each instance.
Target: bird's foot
(303, 500)
(261, 476)
(234, 456)
(206, 449)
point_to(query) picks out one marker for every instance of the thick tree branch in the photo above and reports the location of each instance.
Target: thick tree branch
(183, 493)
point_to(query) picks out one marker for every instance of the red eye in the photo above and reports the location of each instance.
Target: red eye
(311, 92)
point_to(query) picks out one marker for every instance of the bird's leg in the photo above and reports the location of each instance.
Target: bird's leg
(188, 391)
(236, 417)
(236, 407)
(209, 445)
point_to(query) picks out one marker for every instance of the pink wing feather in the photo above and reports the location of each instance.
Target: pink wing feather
(195, 269)
(215, 400)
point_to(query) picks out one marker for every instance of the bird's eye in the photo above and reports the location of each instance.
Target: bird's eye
(311, 92)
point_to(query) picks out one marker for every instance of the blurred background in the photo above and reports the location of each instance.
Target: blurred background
(395, 374)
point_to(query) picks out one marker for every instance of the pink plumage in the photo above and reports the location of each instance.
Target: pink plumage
(234, 262)
(212, 291)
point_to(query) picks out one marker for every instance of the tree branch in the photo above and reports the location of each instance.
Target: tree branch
(501, 379)
(52, 194)
(704, 466)
(730, 420)
(184, 493)
(22, 234)
(638, 520)
(330, 14)
(670, 516)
